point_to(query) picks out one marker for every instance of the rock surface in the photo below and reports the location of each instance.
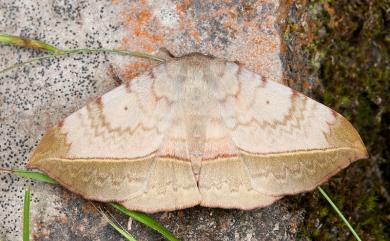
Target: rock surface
(36, 96)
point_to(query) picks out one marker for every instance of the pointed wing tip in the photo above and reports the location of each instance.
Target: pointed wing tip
(362, 153)
(35, 161)
(344, 134)
(53, 144)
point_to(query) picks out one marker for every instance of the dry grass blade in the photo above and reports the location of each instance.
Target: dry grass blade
(115, 224)
(28, 43)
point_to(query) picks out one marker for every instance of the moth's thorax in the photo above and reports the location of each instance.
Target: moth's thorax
(197, 79)
(195, 106)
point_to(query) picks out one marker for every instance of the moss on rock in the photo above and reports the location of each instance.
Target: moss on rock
(347, 46)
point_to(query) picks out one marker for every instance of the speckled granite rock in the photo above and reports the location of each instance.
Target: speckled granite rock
(39, 95)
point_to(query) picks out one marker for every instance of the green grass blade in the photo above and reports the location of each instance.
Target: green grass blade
(81, 51)
(147, 220)
(32, 60)
(38, 176)
(115, 51)
(28, 43)
(26, 215)
(56, 52)
(339, 213)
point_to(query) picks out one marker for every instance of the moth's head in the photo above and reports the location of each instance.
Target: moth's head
(204, 73)
(194, 65)
(196, 59)
(164, 53)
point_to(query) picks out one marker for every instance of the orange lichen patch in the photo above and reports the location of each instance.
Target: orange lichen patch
(138, 19)
(195, 34)
(137, 31)
(134, 69)
(148, 47)
(272, 46)
(230, 18)
(156, 38)
(145, 34)
(306, 85)
(260, 43)
(257, 40)
(251, 37)
(227, 11)
(125, 41)
(129, 20)
(232, 25)
(181, 8)
(143, 16)
(187, 24)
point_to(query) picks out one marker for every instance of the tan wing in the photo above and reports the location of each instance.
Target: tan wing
(226, 183)
(171, 185)
(109, 150)
(224, 179)
(288, 142)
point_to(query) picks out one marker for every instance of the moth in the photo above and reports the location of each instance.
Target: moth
(197, 130)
